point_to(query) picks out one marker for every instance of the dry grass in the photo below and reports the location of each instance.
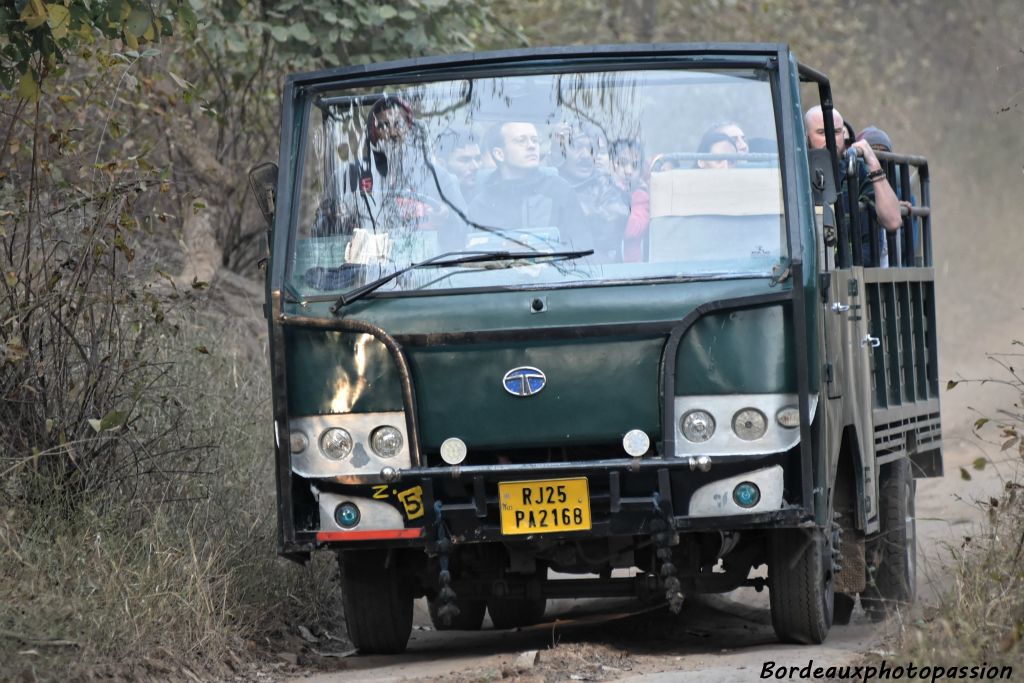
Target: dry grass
(183, 572)
(981, 617)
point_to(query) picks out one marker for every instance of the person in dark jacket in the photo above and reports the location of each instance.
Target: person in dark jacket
(875, 191)
(518, 195)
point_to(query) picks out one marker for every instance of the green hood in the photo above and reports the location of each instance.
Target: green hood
(597, 387)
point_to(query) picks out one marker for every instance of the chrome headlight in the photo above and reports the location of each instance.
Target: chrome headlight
(336, 443)
(749, 424)
(386, 441)
(697, 426)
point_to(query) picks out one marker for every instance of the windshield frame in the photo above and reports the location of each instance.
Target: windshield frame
(301, 91)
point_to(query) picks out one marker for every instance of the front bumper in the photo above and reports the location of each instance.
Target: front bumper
(628, 497)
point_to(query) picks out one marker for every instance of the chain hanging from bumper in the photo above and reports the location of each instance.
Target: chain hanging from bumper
(664, 539)
(447, 610)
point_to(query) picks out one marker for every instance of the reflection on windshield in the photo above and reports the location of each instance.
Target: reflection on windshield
(661, 174)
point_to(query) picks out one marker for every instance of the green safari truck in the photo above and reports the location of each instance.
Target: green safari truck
(593, 321)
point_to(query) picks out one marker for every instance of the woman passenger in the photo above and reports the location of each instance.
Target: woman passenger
(715, 142)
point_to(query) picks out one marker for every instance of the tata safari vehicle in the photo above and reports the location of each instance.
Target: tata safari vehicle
(593, 321)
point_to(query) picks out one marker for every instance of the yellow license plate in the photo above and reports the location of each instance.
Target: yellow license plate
(545, 506)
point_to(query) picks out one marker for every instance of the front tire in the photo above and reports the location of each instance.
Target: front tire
(801, 585)
(892, 580)
(377, 600)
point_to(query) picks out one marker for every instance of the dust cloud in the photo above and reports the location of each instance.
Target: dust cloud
(951, 87)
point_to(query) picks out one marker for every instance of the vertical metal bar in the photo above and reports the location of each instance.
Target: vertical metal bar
(928, 289)
(889, 350)
(842, 236)
(874, 236)
(907, 338)
(926, 221)
(890, 245)
(905, 193)
(614, 493)
(807, 450)
(920, 359)
(842, 214)
(480, 496)
(875, 327)
(665, 491)
(796, 205)
(853, 185)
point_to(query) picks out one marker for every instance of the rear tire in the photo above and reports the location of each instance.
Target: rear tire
(516, 612)
(470, 617)
(377, 600)
(892, 579)
(801, 585)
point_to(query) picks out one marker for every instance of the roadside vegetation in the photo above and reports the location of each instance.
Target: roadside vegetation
(980, 617)
(137, 495)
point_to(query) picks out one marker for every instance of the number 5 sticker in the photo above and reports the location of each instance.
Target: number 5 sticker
(412, 501)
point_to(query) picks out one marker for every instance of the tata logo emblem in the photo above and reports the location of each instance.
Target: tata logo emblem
(525, 381)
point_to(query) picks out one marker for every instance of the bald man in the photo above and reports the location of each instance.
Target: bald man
(875, 190)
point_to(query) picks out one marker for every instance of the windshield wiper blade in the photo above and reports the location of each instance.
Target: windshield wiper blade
(455, 258)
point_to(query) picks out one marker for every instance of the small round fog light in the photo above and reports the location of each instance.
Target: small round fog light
(749, 424)
(697, 426)
(347, 515)
(453, 450)
(386, 441)
(788, 417)
(297, 442)
(636, 442)
(746, 494)
(336, 443)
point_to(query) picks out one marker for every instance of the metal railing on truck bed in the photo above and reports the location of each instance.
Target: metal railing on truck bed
(900, 301)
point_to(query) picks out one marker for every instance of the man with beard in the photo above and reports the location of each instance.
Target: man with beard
(459, 152)
(603, 205)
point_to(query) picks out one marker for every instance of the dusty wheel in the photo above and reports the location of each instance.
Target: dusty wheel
(892, 578)
(377, 601)
(801, 586)
(842, 608)
(470, 617)
(516, 612)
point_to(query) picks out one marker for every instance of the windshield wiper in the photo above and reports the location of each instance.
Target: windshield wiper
(455, 258)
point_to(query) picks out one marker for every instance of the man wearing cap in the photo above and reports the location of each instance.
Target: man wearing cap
(881, 142)
(875, 190)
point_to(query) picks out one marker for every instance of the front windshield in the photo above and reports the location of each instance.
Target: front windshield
(663, 174)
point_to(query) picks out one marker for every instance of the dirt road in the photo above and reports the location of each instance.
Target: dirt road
(716, 638)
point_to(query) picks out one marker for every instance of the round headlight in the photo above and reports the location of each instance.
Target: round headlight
(297, 442)
(636, 442)
(336, 443)
(749, 424)
(453, 450)
(697, 426)
(386, 441)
